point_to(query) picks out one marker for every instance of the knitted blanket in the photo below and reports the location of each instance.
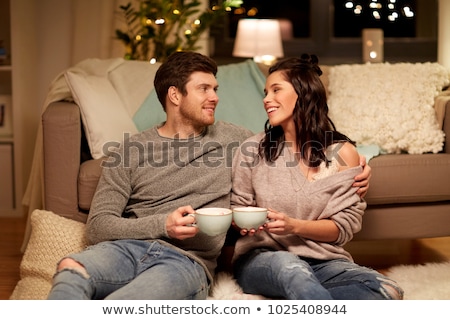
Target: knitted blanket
(389, 105)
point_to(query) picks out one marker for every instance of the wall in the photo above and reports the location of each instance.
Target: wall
(48, 36)
(444, 33)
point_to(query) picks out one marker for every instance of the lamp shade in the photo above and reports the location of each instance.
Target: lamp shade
(258, 39)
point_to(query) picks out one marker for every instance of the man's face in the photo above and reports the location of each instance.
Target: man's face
(199, 104)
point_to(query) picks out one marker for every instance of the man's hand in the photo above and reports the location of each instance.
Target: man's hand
(177, 223)
(362, 179)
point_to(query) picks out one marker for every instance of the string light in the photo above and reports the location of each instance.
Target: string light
(377, 6)
(408, 12)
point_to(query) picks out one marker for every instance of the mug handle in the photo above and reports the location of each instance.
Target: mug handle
(191, 224)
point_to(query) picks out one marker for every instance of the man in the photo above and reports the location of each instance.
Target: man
(142, 244)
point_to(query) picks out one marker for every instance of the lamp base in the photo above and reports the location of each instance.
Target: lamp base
(373, 45)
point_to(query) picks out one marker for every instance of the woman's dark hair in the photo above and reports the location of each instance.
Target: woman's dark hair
(177, 69)
(314, 129)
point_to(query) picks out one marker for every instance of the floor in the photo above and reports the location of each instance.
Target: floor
(11, 234)
(377, 254)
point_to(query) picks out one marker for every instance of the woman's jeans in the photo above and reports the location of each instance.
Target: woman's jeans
(280, 274)
(131, 269)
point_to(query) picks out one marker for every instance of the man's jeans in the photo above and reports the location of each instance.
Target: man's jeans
(280, 274)
(131, 269)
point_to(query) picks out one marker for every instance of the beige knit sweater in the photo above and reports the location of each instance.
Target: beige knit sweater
(282, 187)
(150, 176)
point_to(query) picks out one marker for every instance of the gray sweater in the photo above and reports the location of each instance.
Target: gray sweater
(149, 176)
(282, 187)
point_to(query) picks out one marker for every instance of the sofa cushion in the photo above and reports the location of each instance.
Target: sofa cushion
(90, 172)
(105, 119)
(392, 180)
(409, 178)
(244, 107)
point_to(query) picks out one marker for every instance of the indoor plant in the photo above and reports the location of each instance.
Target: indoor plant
(157, 28)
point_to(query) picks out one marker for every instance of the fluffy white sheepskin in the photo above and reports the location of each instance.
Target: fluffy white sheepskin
(390, 105)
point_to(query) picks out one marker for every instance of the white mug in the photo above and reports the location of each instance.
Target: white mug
(213, 221)
(249, 217)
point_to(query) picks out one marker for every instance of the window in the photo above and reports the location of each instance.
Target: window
(296, 12)
(397, 18)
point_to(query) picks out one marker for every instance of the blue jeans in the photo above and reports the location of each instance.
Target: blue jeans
(131, 269)
(281, 274)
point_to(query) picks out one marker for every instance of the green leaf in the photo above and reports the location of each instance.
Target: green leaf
(169, 37)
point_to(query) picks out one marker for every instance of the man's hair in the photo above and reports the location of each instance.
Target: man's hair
(177, 69)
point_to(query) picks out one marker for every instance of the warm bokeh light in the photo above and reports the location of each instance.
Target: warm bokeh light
(377, 5)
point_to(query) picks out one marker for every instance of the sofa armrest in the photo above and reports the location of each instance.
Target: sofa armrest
(61, 127)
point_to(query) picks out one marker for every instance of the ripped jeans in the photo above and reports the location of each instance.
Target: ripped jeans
(281, 274)
(130, 270)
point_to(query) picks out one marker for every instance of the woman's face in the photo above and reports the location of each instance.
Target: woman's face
(280, 100)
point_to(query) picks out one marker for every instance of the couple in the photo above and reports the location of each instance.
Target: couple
(142, 246)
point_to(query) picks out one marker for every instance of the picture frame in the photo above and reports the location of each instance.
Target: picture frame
(5, 115)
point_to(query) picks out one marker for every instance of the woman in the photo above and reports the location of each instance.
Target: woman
(302, 170)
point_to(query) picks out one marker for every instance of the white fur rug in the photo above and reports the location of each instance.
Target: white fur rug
(430, 281)
(226, 288)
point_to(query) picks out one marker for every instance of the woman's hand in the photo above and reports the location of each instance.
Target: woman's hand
(246, 232)
(324, 230)
(279, 223)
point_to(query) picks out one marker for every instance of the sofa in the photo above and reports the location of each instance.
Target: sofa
(409, 194)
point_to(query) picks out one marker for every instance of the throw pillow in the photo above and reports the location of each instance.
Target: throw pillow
(241, 94)
(52, 237)
(241, 88)
(105, 119)
(389, 105)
